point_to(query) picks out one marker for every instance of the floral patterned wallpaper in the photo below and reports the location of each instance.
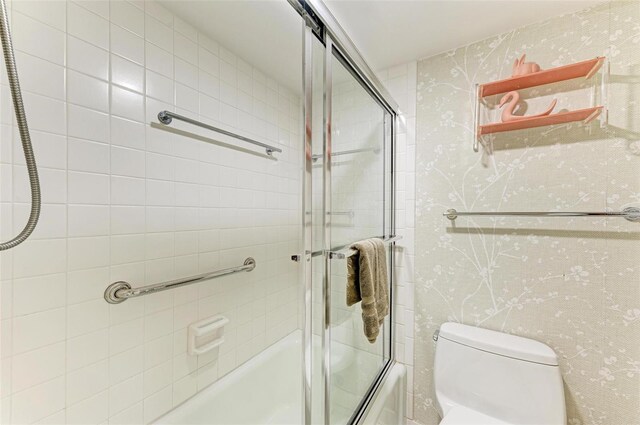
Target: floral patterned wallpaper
(572, 283)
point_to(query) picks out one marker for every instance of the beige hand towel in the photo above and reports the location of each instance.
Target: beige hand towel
(367, 281)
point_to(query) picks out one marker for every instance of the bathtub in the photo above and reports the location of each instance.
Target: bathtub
(266, 390)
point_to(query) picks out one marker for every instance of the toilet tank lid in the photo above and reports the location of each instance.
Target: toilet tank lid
(499, 343)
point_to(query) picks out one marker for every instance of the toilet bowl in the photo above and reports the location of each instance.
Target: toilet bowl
(483, 377)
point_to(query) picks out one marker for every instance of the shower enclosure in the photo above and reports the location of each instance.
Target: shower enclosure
(205, 167)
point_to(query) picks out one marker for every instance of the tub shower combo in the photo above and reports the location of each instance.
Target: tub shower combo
(284, 66)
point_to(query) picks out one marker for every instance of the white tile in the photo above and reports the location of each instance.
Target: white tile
(37, 39)
(208, 62)
(87, 58)
(160, 193)
(127, 191)
(158, 324)
(88, 156)
(127, 162)
(127, 104)
(88, 220)
(52, 184)
(50, 12)
(86, 285)
(40, 76)
(186, 98)
(186, 73)
(184, 388)
(127, 219)
(209, 84)
(88, 252)
(37, 366)
(157, 404)
(125, 365)
(128, 416)
(93, 410)
(51, 254)
(38, 402)
(209, 107)
(185, 29)
(125, 394)
(87, 26)
(125, 336)
(127, 248)
(157, 378)
(127, 74)
(159, 12)
(127, 44)
(52, 222)
(158, 351)
(87, 91)
(99, 7)
(38, 330)
(128, 16)
(207, 43)
(51, 289)
(50, 149)
(87, 317)
(159, 87)
(87, 382)
(88, 124)
(55, 419)
(127, 133)
(159, 60)
(158, 33)
(88, 188)
(185, 49)
(87, 349)
(45, 114)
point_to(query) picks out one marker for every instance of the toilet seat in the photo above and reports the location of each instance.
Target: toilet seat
(463, 416)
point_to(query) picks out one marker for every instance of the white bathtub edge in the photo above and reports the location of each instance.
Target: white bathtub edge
(389, 400)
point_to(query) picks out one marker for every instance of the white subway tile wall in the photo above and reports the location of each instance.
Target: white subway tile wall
(126, 200)
(401, 82)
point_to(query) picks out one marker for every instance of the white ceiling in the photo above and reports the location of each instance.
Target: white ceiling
(392, 32)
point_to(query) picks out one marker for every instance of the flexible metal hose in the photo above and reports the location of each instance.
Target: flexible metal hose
(23, 128)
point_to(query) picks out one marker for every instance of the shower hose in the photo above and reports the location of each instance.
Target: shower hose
(21, 120)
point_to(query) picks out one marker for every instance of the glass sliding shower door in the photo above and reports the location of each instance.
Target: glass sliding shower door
(356, 212)
(350, 161)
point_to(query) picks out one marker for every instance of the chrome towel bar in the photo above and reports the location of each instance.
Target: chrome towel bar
(336, 253)
(348, 251)
(165, 117)
(121, 291)
(318, 156)
(630, 213)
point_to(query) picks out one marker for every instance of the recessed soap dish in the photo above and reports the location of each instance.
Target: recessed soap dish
(205, 335)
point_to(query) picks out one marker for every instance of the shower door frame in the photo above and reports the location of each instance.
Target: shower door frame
(320, 23)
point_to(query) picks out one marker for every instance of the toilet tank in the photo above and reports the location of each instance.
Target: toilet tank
(513, 379)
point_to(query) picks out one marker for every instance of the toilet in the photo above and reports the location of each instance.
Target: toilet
(483, 377)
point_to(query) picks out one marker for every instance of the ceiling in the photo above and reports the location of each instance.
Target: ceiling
(392, 32)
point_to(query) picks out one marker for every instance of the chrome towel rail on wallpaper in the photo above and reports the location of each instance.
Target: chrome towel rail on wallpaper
(336, 254)
(630, 214)
(165, 117)
(121, 291)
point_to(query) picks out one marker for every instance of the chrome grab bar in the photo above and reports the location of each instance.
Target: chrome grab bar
(630, 214)
(165, 117)
(121, 291)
